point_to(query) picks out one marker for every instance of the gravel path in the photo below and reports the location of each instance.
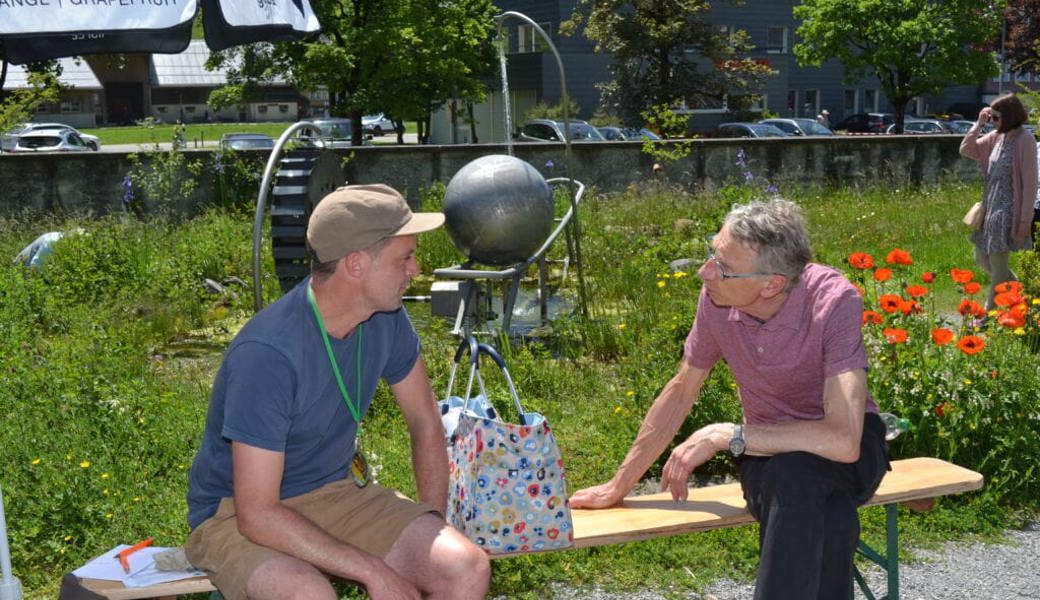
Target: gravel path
(1006, 571)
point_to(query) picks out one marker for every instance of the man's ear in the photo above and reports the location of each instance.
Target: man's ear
(775, 285)
(355, 263)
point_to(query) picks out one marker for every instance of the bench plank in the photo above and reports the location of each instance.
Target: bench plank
(717, 506)
(656, 515)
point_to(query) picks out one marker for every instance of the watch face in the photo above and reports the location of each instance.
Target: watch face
(736, 446)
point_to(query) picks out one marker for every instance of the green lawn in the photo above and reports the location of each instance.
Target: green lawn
(201, 132)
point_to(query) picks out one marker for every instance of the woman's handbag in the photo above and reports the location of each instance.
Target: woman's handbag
(975, 215)
(506, 489)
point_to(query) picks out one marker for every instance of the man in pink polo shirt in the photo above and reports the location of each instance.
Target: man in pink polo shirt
(811, 448)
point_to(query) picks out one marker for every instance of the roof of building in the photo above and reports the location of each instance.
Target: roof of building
(75, 72)
(187, 69)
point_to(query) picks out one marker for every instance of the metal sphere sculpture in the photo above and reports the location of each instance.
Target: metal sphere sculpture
(498, 210)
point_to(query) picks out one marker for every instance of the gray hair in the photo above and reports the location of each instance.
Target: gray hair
(776, 230)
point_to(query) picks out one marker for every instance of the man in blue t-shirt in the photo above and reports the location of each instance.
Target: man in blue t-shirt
(279, 498)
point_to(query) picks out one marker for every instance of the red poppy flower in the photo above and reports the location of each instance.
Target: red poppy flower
(928, 276)
(916, 291)
(961, 275)
(971, 344)
(890, 303)
(894, 336)
(1014, 287)
(942, 336)
(1008, 299)
(909, 306)
(1016, 317)
(940, 410)
(861, 260)
(971, 288)
(872, 317)
(970, 308)
(898, 257)
(882, 274)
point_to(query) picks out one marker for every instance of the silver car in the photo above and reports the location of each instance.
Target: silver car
(799, 127)
(51, 140)
(10, 139)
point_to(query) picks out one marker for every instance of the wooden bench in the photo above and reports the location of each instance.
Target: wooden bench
(915, 482)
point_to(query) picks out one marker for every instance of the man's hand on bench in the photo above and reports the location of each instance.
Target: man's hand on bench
(603, 495)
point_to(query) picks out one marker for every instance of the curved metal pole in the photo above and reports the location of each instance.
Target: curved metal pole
(10, 587)
(501, 19)
(261, 205)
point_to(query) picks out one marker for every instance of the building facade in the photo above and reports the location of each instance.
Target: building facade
(793, 91)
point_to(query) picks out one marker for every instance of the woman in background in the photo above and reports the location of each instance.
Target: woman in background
(1008, 156)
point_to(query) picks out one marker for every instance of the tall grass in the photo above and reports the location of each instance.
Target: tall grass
(109, 351)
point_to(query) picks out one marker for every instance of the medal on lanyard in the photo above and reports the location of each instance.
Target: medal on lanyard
(358, 464)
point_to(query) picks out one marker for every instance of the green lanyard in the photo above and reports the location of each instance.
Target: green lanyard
(359, 466)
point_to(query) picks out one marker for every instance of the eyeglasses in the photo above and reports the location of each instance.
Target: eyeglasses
(709, 252)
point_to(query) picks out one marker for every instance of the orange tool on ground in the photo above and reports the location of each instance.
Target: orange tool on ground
(124, 555)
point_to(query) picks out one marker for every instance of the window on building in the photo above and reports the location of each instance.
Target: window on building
(283, 108)
(261, 109)
(161, 109)
(848, 103)
(792, 102)
(810, 103)
(760, 103)
(776, 40)
(71, 106)
(870, 100)
(529, 40)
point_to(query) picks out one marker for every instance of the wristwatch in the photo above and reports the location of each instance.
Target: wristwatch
(737, 445)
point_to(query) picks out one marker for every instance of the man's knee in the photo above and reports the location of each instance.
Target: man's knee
(467, 566)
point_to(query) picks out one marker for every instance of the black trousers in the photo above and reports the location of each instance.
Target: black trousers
(806, 507)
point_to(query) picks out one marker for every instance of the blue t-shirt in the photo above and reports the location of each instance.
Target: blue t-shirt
(276, 390)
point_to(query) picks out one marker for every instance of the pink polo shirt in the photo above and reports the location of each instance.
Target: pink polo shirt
(780, 365)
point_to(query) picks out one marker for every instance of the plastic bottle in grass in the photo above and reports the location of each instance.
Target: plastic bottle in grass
(894, 425)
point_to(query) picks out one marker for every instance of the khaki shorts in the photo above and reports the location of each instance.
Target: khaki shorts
(370, 518)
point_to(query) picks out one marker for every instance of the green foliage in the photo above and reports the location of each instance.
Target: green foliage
(17, 106)
(541, 110)
(659, 51)
(99, 415)
(663, 119)
(913, 47)
(966, 390)
(163, 180)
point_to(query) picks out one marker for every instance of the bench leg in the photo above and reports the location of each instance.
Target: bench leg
(889, 562)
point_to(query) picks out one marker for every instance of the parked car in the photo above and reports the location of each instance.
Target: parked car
(376, 124)
(10, 139)
(547, 130)
(331, 132)
(800, 127)
(748, 130)
(51, 140)
(621, 134)
(874, 122)
(911, 126)
(246, 141)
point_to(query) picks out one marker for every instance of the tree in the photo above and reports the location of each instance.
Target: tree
(17, 106)
(666, 53)
(1022, 39)
(396, 56)
(913, 47)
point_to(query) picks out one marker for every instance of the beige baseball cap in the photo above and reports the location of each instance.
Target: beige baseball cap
(354, 217)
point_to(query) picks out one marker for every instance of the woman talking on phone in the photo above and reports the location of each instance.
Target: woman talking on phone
(1009, 168)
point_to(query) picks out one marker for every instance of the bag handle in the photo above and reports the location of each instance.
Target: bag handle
(491, 352)
(470, 343)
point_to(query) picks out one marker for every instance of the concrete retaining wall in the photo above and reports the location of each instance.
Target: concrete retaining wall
(92, 183)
